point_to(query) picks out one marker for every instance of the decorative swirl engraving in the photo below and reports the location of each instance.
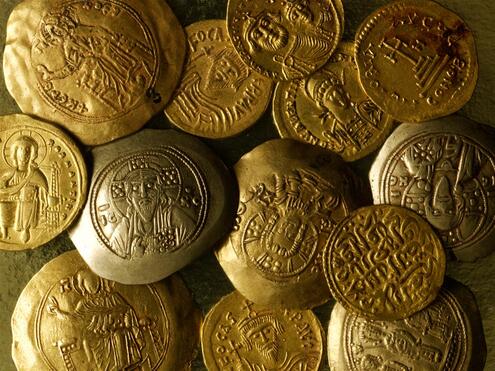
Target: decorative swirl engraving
(149, 202)
(384, 262)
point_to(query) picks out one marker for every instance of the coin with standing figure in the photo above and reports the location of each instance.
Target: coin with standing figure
(68, 318)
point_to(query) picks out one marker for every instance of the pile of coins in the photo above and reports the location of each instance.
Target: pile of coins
(291, 224)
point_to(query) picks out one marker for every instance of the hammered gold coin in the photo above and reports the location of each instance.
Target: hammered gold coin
(158, 200)
(446, 335)
(331, 110)
(417, 60)
(101, 69)
(68, 318)
(287, 39)
(42, 182)
(291, 196)
(219, 96)
(384, 262)
(444, 170)
(240, 335)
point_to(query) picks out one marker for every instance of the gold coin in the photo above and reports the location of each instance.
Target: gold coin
(289, 206)
(446, 335)
(158, 200)
(384, 262)
(445, 171)
(68, 318)
(219, 96)
(285, 40)
(417, 60)
(42, 182)
(101, 69)
(239, 335)
(331, 110)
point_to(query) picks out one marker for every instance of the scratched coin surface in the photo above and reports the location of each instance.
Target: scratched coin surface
(43, 182)
(285, 40)
(68, 318)
(288, 206)
(330, 109)
(158, 199)
(219, 96)
(240, 335)
(445, 171)
(101, 69)
(417, 60)
(384, 262)
(446, 335)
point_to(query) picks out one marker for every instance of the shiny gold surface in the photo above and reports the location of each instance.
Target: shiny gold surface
(239, 335)
(289, 205)
(417, 60)
(330, 109)
(446, 335)
(69, 318)
(100, 70)
(158, 200)
(219, 96)
(285, 40)
(384, 262)
(445, 171)
(43, 182)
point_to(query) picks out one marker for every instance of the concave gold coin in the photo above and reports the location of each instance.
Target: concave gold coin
(285, 40)
(219, 96)
(446, 335)
(444, 170)
(384, 262)
(43, 182)
(240, 335)
(158, 200)
(68, 318)
(101, 69)
(331, 110)
(291, 196)
(417, 60)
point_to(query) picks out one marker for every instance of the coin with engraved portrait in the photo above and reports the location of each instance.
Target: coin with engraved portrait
(446, 335)
(444, 170)
(43, 182)
(384, 262)
(288, 206)
(286, 39)
(417, 60)
(68, 318)
(240, 335)
(158, 199)
(219, 96)
(101, 69)
(330, 109)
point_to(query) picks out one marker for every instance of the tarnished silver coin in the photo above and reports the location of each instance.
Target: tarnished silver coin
(445, 171)
(446, 335)
(158, 199)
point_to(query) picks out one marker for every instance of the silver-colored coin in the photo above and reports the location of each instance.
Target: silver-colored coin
(158, 199)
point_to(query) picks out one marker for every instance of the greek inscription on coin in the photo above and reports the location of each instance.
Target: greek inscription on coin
(86, 321)
(149, 202)
(448, 179)
(88, 70)
(239, 335)
(286, 222)
(417, 60)
(331, 110)
(284, 40)
(219, 95)
(42, 182)
(384, 262)
(432, 339)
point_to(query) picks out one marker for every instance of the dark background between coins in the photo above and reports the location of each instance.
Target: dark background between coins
(205, 277)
